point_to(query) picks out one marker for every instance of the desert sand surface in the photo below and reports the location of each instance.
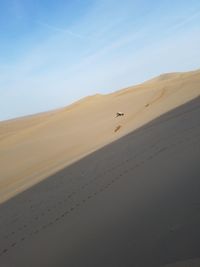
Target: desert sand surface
(34, 147)
(134, 202)
(187, 263)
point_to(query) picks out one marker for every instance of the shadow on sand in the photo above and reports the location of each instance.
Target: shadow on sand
(135, 202)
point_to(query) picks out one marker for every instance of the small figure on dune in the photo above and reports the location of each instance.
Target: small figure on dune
(119, 114)
(117, 128)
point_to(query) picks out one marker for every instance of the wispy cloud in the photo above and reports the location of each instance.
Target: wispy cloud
(61, 30)
(186, 20)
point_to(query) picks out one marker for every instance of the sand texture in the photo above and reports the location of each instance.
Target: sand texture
(134, 202)
(34, 147)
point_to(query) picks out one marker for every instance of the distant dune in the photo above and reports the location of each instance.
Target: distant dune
(34, 147)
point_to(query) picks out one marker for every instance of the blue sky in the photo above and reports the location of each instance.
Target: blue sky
(53, 52)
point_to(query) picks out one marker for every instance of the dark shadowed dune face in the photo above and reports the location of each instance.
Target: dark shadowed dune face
(135, 202)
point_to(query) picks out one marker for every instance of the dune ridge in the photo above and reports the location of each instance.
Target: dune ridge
(34, 147)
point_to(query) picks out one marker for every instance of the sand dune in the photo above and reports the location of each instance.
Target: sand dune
(34, 147)
(134, 202)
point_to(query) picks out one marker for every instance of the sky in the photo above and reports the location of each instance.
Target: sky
(54, 52)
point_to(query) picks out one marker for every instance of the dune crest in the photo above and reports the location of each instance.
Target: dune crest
(34, 147)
